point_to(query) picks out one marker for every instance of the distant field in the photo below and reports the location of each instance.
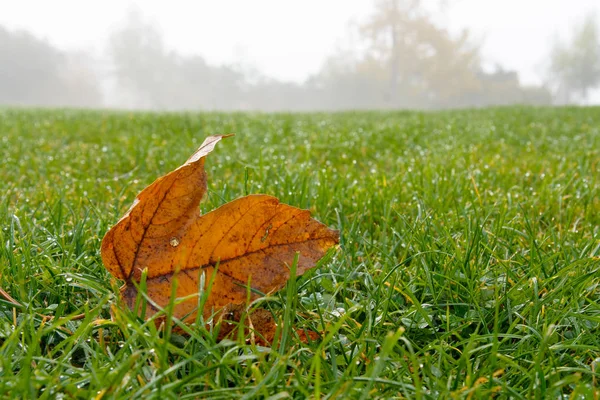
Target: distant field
(469, 261)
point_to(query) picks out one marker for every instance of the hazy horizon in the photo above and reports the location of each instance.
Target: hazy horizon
(290, 41)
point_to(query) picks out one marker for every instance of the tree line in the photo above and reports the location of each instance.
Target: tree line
(405, 61)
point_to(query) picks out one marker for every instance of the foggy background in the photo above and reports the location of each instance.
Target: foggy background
(305, 55)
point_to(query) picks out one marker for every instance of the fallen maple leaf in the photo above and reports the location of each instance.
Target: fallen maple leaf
(253, 239)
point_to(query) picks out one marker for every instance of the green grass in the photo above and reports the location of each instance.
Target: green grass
(469, 261)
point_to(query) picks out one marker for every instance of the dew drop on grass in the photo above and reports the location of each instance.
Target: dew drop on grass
(69, 279)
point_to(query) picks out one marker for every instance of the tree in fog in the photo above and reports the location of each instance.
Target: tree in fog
(407, 62)
(32, 72)
(149, 75)
(421, 59)
(575, 66)
(143, 71)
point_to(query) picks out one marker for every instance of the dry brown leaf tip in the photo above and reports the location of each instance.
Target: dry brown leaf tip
(252, 239)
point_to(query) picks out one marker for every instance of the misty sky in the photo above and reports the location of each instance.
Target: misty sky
(289, 39)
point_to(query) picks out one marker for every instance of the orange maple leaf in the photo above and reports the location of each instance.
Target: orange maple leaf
(253, 239)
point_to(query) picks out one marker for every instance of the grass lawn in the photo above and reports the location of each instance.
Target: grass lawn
(469, 262)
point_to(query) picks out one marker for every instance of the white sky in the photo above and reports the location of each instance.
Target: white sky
(289, 39)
